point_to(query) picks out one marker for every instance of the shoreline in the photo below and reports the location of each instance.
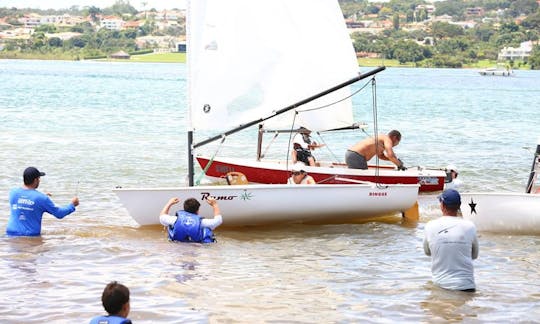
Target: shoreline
(181, 58)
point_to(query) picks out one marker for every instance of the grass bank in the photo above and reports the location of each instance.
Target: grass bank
(181, 58)
(160, 58)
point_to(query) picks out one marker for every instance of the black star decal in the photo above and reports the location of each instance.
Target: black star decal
(473, 206)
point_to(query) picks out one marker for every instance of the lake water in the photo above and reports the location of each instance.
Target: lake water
(92, 126)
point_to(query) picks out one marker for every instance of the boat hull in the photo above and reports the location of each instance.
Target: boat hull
(277, 204)
(276, 172)
(509, 213)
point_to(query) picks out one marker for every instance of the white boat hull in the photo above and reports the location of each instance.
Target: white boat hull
(511, 213)
(266, 204)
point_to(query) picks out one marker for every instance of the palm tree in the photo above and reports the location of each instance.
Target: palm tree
(144, 3)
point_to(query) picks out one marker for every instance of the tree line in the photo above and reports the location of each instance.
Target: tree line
(507, 23)
(93, 42)
(443, 44)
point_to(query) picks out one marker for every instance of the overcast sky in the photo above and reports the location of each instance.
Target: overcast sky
(62, 4)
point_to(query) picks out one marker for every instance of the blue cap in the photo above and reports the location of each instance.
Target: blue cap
(450, 197)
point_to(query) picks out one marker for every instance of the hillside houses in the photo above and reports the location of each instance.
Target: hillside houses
(12, 28)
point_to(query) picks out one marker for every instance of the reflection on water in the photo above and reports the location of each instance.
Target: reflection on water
(447, 305)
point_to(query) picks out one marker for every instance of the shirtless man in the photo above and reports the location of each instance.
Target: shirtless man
(357, 156)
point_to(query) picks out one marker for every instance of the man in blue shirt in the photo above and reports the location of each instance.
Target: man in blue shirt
(28, 205)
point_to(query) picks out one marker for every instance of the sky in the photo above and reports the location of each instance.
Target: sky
(62, 4)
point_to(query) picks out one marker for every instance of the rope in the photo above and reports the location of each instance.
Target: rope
(376, 130)
(201, 174)
(338, 101)
(268, 146)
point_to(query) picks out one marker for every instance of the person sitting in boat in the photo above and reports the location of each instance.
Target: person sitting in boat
(299, 175)
(357, 155)
(187, 225)
(451, 177)
(115, 300)
(302, 147)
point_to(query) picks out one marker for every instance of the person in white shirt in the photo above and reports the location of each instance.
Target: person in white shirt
(187, 225)
(452, 178)
(452, 243)
(299, 175)
(302, 147)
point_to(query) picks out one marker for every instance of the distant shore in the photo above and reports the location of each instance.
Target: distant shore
(181, 58)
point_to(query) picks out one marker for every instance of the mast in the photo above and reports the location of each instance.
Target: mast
(189, 52)
(534, 168)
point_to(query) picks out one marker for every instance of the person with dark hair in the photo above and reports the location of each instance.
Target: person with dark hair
(302, 147)
(299, 175)
(452, 243)
(360, 153)
(115, 300)
(187, 225)
(28, 205)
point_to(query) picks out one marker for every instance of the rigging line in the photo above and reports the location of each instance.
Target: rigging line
(268, 146)
(201, 174)
(328, 148)
(338, 101)
(376, 130)
(290, 139)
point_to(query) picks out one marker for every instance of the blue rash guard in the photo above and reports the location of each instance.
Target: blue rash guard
(112, 319)
(27, 208)
(188, 229)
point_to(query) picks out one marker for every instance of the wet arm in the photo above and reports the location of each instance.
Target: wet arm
(58, 212)
(475, 249)
(217, 220)
(164, 218)
(390, 155)
(427, 251)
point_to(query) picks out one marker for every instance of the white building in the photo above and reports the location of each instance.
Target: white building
(112, 23)
(520, 53)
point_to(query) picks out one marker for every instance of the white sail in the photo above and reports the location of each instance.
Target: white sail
(249, 58)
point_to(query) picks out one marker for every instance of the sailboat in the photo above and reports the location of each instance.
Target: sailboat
(506, 212)
(240, 54)
(287, 51)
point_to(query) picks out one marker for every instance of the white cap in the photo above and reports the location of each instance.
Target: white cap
(451, 167)
(298, 166)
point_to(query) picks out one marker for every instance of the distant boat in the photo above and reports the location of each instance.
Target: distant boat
(499, 70)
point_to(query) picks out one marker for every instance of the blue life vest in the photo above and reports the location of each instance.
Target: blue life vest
(187, 228)
(110, 320)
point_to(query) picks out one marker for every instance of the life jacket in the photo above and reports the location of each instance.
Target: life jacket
(187, 228)
(110, 320)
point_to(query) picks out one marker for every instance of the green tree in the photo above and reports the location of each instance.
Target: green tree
(532, 22)
(525, 7)
(408, 51)
(442, 30)
(46, 28)
(93, 12)
(55, 42)
(451, 7)
(395, 21)
(422, 15)
(534, 59)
